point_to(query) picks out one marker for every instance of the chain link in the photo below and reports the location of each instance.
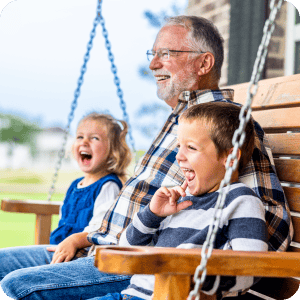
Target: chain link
(86, 58)
(237, 141)
(116, 79)
(98, 19)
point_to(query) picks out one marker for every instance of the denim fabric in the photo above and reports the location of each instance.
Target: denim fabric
(16, 258)
(31, 277)
(117, 296)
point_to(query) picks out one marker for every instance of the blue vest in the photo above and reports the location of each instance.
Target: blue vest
(78, 206)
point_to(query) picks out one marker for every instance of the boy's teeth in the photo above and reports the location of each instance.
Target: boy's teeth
(189, 174)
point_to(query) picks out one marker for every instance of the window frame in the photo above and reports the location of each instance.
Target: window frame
(292, 36)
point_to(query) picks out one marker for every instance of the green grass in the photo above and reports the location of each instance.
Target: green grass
(17, 229)
(22, 180)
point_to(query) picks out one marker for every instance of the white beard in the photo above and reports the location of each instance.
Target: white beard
(175, 87)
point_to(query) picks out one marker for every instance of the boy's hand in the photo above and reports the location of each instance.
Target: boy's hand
(164, 201)
(64, 251)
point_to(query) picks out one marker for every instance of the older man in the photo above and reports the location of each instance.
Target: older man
(186, 61)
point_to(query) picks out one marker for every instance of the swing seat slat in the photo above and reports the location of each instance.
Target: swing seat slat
(276, 107)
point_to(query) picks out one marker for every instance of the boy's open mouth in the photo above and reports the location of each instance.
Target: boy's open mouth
(85, 157)
(189, 174)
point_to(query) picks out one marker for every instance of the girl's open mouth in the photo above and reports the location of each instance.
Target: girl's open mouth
(85, 157)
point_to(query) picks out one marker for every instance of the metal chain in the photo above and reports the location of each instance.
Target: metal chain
(61, 153)
(237, 141)
(116, 79)
(98, 19)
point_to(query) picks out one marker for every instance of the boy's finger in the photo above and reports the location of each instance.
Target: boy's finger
(180, 191)
(173, 198)
(184, 205)
(184, 185)
(165, 191)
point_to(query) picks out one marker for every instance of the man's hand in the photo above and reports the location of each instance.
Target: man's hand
(164, 201)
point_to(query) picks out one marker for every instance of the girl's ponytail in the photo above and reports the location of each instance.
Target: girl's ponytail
(120, 155)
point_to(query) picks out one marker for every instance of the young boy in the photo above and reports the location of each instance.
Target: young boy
(180, 216)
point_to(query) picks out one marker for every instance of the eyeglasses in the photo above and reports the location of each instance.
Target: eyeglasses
(164, 53)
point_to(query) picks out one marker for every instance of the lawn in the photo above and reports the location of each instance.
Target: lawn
(17, 229)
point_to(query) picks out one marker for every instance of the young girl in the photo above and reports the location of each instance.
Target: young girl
(102, 154)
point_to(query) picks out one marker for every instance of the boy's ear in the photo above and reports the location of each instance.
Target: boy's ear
(206, 63)
(238, 155)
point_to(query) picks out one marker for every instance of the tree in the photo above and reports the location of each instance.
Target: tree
(16, 130)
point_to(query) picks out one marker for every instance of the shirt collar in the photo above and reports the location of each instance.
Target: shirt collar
(202, 96)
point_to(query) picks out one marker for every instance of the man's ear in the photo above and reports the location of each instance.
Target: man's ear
(206, 63)
(238, 155)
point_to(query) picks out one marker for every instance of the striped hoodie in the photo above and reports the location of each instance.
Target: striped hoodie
(242, 228)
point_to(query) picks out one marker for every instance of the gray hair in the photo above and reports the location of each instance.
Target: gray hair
(204, 36)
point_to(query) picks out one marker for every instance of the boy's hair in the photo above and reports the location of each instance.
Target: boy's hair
(119, 156)
(222, 119)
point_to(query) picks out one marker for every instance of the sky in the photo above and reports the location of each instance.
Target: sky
(42, 45)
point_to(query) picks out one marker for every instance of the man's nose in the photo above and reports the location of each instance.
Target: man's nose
(155, 63)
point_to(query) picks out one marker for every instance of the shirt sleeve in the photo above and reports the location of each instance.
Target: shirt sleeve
(103, 202)
(142, 229)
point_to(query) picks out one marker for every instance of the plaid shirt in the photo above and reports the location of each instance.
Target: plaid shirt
(159, 167)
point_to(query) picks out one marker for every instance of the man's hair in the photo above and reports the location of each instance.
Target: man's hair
(222, 119)
(204, 36)
(119, 156)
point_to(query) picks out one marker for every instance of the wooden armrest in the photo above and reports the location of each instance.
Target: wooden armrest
(173, 268)
(151, 260)
(31, 206)
(43, 210)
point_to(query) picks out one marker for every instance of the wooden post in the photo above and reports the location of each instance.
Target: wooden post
(171, 287)
(42, 229)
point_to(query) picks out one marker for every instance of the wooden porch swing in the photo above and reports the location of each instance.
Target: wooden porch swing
(276, 107)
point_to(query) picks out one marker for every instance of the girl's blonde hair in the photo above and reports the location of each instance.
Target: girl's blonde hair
(119, 156)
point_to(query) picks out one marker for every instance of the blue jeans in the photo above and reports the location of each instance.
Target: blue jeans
(25, 273)
(117, 296)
